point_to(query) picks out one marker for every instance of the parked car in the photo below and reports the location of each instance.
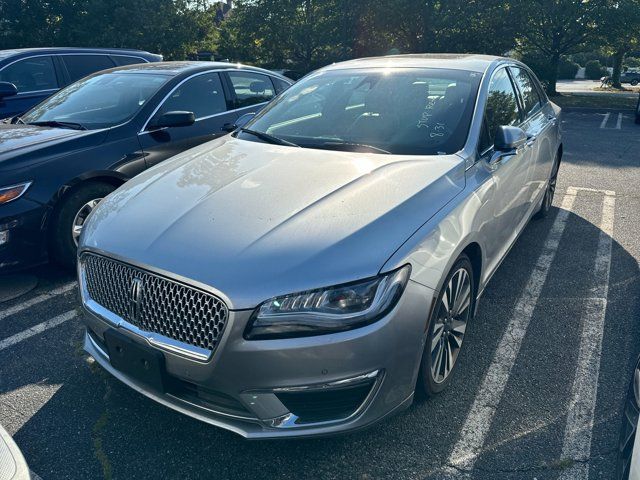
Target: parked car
(37, 73)
(628, 461)
(303, 275)
(630, 77)
(12, 463)
(59, 159)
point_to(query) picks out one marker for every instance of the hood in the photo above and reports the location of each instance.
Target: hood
(254, 221)
(16, 140)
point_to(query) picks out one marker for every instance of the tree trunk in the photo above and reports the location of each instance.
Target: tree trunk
(618, 58)
(553, 75)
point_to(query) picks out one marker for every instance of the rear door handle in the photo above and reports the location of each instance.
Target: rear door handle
(531, 139)
(553, 120)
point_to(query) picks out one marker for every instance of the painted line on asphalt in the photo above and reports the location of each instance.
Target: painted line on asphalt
(37, 329)
(580, 419)
(610, 193)
(480, 417)
(37, 299)
(619, 122)
(605, 120)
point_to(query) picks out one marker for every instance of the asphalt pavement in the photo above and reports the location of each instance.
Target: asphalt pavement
(538, 393)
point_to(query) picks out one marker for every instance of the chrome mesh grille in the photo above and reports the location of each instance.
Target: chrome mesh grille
(166, 307)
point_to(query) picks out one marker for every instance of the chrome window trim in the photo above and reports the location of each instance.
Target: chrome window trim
(144, 130)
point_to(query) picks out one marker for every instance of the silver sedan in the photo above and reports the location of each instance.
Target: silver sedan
(306, 274)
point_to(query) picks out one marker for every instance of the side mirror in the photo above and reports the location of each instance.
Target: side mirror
(7, 89)
(174, 119)
(239, 123)
(506, 143)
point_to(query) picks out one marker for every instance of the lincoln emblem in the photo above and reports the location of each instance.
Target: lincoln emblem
(135, 299)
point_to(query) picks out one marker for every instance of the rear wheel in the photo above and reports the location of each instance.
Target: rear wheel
(547, 201)
(447, 327)
(70, 219)
(635, 82)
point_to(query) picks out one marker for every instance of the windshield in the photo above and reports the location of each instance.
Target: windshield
(400, 111)
(99, 101)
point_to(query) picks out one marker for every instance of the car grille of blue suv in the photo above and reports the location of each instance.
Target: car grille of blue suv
(154, 303)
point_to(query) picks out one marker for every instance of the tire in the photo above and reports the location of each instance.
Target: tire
(547, 201)
(73, 209)
(447, 328)
(634, 82)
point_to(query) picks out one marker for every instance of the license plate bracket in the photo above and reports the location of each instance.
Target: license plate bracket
(144, 364)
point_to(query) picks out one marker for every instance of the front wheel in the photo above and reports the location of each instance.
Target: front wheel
(70, 218)
(447, 327)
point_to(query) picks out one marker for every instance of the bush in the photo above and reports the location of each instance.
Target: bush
(567, 69)
(594, 70)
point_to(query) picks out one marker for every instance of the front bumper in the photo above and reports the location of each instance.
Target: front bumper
(22, 234)
(294, 387)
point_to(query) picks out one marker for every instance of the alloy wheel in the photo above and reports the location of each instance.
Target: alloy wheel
(81, 217)
(450, 325)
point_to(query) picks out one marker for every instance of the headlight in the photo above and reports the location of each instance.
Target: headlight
(328, 310)
(7, 194)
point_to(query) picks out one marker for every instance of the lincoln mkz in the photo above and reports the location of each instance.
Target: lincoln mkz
(309, 272)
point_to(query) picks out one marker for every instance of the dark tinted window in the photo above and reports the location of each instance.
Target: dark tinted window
(502, 107)
(201, 95)
(124, 60)
(31, 74)
(529, 93)
(251, 88)
(280, 85)
(80, 66)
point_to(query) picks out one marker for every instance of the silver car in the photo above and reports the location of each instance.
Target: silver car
(307, 273)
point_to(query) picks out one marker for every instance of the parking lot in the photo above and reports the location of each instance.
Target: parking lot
(538, 394)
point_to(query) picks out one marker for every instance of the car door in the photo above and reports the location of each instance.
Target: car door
(537, 123)
(202, 94)
(36, 79)
(511, 173)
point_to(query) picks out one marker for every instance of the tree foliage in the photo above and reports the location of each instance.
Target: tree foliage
(171, 27)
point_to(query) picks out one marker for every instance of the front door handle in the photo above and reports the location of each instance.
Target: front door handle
(552, 120)
(531, 139)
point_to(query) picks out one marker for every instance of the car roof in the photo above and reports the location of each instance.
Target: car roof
(60, 50)
(188, 67)
(455, 61)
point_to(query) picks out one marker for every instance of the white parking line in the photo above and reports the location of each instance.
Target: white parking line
(480, 416)
(619, 122)
(35, 330)
(605, 120)
(579, 428)
(37, 299)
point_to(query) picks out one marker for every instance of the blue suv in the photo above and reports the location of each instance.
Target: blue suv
(28, 76)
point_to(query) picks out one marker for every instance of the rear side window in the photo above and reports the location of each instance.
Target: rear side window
(79, 66)
(530, 96)
(122, 60)
(251, 88)
(201, 95)
(31, 74)
(502, 108)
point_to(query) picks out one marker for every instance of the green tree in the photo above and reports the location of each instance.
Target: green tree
(621, 30)
(558, 27)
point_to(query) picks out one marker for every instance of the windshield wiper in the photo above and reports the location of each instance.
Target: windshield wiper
(57, 124)
(15, 120)
(350, 146)
(268, 138)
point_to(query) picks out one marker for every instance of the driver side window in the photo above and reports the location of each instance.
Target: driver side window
(502, 108)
